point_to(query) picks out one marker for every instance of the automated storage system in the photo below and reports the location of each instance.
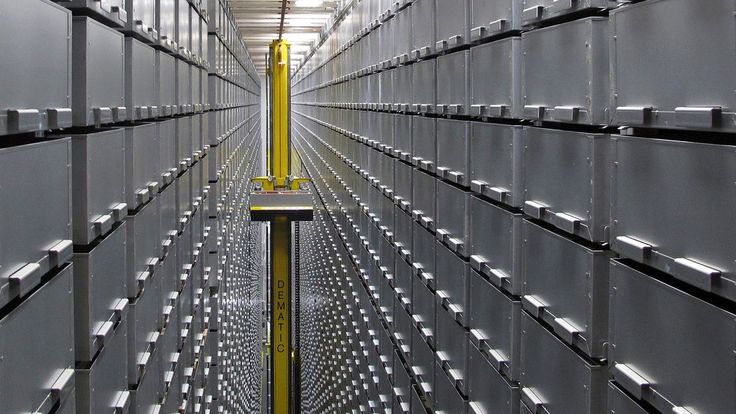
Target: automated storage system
(130, 129)
(519, 206)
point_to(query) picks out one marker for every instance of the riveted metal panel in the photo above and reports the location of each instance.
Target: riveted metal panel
(452, 21)
(144, 325)
(453, 83)
(423, 254)
(103, 387)
(140, 80)
(100, 293)
(41, 236)
(496, 162)
(495, 244)
(424, 143)
(453, 151)
(643, 93)
(169, 164)
(452, 275)
(449, 400)
(570, 281)
(687, 183)
(98, 80)
(643, 344)
(423, 367)
(40, 80)
(501, 61)
(424, 86)
(98, 172)
(567, 174)
(578, 91)
(554, 377)
(488, 391)
(493, 18)
(142, 164)
(143, 246)
(28, 381)
(619, 402)
(494, 322)
(452, 352)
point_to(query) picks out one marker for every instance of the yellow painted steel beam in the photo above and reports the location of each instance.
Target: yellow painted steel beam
(280, 150)
(281, 351)
(279, 215)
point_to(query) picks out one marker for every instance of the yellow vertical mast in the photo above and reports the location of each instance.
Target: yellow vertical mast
(280, 199)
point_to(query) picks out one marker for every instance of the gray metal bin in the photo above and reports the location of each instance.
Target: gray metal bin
(142, 19)
(494, 324)
(492, 18)
(142, 164)
(98, 78)
(141, 98)
(453, 83)
(144, 328)
(488, 391)
(424, 143)
(495, 244)
(674, 77)
(452, 22)
(36, 67)
(621, 403)
(678, 216)
(453, 279)
(111, 11)
(453, 218)
(536, 11)
(424, 86)
(453, 151)
(565, 75)
(499, 61)
(424, 199)
(565, 285)
(166, 24)
(38, 363)
(167, 98)
(566, 180)
(98, 175)
(41, 235)
(496, 162)
(103, 386)
(652, 326)
(554, 378)
(100, 294)
(143, 246)
(452, 351)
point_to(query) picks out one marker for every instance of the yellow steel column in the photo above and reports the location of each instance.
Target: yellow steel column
(280, 311)
(280, 67)
(281, 198)
(280, 234)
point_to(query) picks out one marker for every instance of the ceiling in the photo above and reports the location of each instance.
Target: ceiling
(259, 20)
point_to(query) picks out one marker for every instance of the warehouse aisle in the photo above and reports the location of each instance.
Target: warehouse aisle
(519, 206)
(129, 271)
(532, 215)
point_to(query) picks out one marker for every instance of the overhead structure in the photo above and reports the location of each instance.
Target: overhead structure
(260, 21)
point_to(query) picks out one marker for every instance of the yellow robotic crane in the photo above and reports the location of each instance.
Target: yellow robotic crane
(281, 199)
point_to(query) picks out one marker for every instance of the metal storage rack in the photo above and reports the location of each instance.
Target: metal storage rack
(129, 131)
(561, 181)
